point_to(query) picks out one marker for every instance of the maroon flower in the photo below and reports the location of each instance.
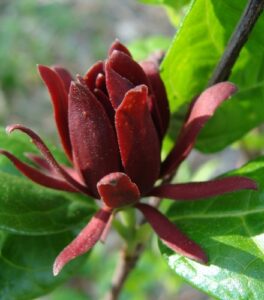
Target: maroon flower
(111, 123)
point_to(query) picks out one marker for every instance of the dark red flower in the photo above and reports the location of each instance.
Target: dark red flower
(111, 124)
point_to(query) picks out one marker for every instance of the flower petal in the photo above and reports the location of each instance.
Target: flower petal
(92, 73)
(117, 86)
(154, 110)
(151, 69)
(37, 176)
(171, 236)
(49, 157)
(126, 67)
(117, 190)
(138, 140)
(59, 99)
(118, 46)
(104, 100)
(200, 190)
(65, 76)
(85, 240)
(202, 110)
(94, 144)
(100, 82)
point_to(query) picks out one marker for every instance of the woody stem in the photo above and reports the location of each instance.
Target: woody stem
(128, 259)
(239, 37)
(126, 264)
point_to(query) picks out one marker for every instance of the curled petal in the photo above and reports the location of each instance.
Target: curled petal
(117, 86)
(126, 67)
(151, 69)
(117, 190)
(104, 100)
(94, 144)
(80, 80)
(37, 176)
(49, 157)
(59, 99)
(138, 139)
(100, 82)
(118, 46)
(92, 73)
(65, 76)
(156, 117)
(170, 235)
(202, 110)
(200, 190)
(86, 239)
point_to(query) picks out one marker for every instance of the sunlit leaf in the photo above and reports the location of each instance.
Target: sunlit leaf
(230, 230)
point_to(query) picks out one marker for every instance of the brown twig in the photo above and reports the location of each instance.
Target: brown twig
(125, 265)
(239, 37)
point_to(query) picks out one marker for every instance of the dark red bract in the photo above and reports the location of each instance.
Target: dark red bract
(111, 124)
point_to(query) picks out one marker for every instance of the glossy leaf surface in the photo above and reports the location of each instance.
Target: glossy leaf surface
(230, 230)
(27, 208)
(26, 265)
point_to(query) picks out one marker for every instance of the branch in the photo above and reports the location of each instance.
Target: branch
(125, 265)
(127, 262)
(237, 41)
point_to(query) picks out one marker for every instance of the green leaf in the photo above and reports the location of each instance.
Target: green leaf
(192, 57)
(230, 228)
(27, 208)
(253, 142)
(26, 265)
